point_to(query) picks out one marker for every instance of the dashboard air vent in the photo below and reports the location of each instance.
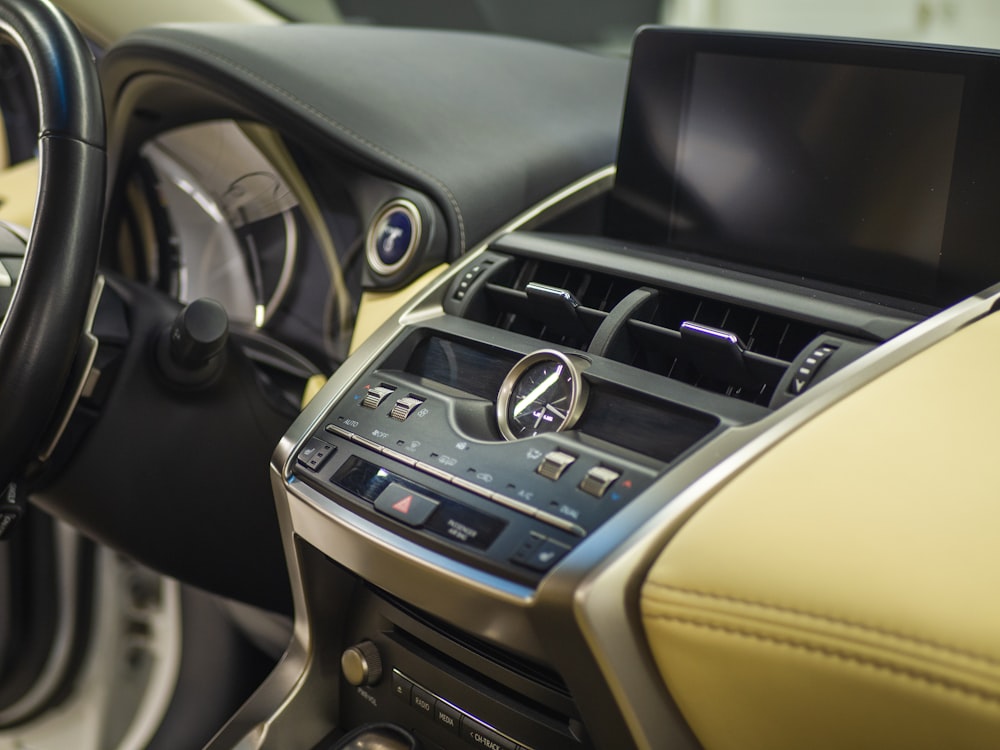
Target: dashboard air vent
(714, 345)
(657, 340)
(550, 301)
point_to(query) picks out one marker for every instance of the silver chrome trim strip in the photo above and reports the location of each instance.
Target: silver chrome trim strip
(88, 350)
(613, 584)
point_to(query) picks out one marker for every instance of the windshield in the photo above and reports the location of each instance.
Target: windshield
(608, 25)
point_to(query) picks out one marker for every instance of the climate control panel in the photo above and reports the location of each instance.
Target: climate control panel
(415, 459)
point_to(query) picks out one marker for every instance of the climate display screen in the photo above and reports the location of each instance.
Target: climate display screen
(868, 165)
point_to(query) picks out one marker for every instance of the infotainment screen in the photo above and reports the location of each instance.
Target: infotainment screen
(871, 165)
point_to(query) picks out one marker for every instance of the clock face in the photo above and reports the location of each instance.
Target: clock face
(544, 392)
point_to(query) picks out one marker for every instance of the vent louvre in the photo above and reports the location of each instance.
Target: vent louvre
(511, 309)
(651, 340)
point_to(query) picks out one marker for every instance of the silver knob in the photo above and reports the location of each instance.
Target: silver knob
(361, 664)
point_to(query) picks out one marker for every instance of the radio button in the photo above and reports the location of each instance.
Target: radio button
(423, 701)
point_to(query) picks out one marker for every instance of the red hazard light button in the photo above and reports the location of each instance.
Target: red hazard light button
(405, 505)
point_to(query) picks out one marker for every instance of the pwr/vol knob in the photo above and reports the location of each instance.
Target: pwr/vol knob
(361, 664)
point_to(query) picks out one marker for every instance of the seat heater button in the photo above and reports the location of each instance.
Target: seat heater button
(375, 396)
(539, 553)
(448, 716)
(482, 736)
(554, 464)
(404, 407)
(315, 454)
(423, 701)
(405, 505)
(598, 479)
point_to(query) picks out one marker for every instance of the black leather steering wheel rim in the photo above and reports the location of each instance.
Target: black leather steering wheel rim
(41, 330)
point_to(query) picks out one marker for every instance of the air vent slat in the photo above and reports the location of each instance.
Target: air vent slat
(648, 336)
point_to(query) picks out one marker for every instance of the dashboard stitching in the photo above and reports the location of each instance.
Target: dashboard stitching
(829, 619)
(893, 669)
(339, 126)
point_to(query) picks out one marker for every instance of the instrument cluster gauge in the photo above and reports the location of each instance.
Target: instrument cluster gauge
(544, 392)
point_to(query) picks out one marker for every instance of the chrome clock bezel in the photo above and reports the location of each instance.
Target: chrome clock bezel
(578, 389)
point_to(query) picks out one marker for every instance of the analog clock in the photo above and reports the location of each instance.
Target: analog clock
(543, 392)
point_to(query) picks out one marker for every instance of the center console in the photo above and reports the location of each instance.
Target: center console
(471, 502)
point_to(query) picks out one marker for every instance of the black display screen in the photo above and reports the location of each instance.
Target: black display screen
(870, 165)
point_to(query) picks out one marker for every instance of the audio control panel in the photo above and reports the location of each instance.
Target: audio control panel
(423, 462)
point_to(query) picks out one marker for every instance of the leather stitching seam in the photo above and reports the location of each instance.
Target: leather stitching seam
(865, 627)
(855, 659)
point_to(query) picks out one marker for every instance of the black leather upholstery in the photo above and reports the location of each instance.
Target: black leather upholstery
(418, 106)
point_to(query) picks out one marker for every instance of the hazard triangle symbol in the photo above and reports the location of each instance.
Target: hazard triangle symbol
(403, 506)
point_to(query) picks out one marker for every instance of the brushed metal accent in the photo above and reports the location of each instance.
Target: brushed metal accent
(85, 381)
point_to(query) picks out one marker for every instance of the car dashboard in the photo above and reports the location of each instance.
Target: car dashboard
(477, 508)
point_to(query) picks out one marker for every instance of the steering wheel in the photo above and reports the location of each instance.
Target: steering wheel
(42, 326)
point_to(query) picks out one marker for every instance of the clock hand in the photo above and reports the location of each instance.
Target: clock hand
(537, 391)
(557, 412)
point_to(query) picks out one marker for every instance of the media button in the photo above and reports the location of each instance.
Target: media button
(448, 716)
